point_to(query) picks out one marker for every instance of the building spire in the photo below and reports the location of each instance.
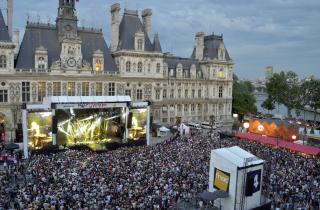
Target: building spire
(156, 44)
(67, 18)
(4, 35)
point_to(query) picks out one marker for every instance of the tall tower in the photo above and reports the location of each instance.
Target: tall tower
(268, 72)
(67, 18)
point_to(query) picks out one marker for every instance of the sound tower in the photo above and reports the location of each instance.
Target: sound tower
(130, 119)
(54, 124)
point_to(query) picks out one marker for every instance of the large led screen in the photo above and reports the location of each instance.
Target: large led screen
(90, 126)
(137, 123)
(39, 129)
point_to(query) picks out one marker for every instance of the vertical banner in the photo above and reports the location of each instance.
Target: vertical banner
(253, 182)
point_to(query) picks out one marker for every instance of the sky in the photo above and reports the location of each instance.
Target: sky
(284, 34)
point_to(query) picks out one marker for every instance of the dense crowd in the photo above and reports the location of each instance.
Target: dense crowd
(154, 177)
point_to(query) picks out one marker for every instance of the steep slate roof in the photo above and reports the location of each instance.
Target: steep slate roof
(4, 34)
(186, 64)
(92, 42)
(45, 35)
(130, 24)
(156, 44)
(211, 46)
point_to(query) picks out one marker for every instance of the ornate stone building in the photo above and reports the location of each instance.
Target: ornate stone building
(65, 59)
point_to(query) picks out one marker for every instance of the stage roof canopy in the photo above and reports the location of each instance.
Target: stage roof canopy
(85, 99)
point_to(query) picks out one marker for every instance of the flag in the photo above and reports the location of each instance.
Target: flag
(253, 182)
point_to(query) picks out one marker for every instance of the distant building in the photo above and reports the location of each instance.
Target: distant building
(64, 59)
(268, 72)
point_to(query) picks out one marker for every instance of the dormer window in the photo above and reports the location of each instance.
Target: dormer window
(171, 72)
(185, 74)
(41, 59)
(3, 61)
(41, 63)
(98, 65)
(139, 41)
(140, 44)
(98, 61)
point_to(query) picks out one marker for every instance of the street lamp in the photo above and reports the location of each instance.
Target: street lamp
(294, 137)
(246, 125)
(260, 129)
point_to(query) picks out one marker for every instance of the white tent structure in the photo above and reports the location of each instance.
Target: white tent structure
(184, 130)
(163, 131)
(239, 173)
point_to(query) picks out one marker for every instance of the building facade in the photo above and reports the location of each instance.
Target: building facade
(68, 60)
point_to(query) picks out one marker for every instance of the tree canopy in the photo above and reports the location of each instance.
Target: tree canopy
(243, 101)
(283, 88)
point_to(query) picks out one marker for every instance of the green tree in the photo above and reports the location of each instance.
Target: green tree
(283, 88)
(243, 101)
(268, 104)
(309, 92)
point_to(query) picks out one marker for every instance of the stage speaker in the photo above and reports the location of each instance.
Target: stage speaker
(151, 119)
(19, 133)
(130, 119)
(54, 124)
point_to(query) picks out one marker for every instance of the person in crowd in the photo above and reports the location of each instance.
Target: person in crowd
(151, 177)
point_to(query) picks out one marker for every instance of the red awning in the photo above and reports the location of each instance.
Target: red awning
(309, 150)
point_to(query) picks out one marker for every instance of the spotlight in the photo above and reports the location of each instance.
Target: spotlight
(246, 125)
(294, 137)
(260, 128)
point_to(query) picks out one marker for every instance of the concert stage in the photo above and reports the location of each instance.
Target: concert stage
(93, 122)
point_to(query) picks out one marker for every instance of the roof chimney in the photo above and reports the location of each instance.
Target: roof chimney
(115, 9)
(199, 45)
(146, 16)
(10, 17)
(16, 40)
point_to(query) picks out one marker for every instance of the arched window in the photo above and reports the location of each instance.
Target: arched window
(158, 67)
(3, 61)
(140, 44)
(128, 66)
(140, 67)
